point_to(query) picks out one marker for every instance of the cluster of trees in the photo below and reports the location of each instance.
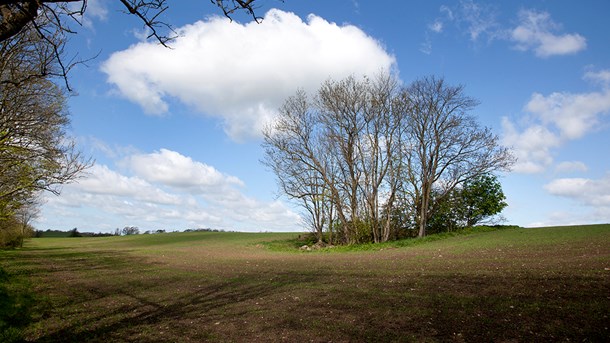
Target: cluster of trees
(370, 160)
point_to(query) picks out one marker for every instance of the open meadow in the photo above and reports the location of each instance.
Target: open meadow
(509, 285)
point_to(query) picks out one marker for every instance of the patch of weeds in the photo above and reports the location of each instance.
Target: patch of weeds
(17, 305)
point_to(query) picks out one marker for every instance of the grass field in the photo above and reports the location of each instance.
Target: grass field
(511, 285)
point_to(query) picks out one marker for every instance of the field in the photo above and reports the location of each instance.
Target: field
(510, 285)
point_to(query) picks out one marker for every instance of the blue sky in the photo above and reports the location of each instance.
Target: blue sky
(176, 132)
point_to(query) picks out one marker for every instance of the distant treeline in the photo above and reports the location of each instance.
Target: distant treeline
(71, 233)
(128, 230)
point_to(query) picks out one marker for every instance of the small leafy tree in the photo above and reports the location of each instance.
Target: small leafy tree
(480, 199)
(476, 201)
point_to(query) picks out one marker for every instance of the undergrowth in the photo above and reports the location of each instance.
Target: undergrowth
(295, 244)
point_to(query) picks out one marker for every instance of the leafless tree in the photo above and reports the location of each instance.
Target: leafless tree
(294, 151)
(444, 145)
(379, 152)
(339, 154)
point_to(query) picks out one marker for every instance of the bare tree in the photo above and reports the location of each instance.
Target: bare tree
(374, 153)
(341, 106)
(445, 146)
(379, 152)
(294, 148)
(339, 154)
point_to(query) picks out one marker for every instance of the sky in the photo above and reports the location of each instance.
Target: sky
(176, 132)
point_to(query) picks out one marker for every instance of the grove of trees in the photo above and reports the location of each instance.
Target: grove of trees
(370, 160)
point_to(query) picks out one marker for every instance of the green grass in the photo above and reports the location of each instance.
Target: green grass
(515, 284)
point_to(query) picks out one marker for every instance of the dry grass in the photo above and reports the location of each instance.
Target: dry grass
(547, 284)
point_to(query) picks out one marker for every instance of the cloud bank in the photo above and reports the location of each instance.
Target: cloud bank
(164, 190)
(241, 73)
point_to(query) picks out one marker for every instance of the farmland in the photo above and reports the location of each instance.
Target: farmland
(512, 285)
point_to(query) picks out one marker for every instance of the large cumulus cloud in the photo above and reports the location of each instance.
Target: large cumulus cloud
(241, 73)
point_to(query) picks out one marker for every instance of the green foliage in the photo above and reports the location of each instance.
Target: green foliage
(481, 198)
(476, 201)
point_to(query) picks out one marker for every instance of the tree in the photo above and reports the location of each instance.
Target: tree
(130, 230)
(294, 148)
(445, 146)
(380, 158)
(338, 155)
(474, 202)
(35, 154)
(28, 210)
(480, 199)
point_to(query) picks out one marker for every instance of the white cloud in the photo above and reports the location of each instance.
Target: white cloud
(593, 193)
(536, 32)
(478, 19)
(97, 9)
(574, 115)
(426, 46)
(100, 180)
(532, 146)
(448, 12)
(241, 73)
(166, 191)
(473, 19)
(552, 121)
(571, 166)
(173, 169)
(601, 77)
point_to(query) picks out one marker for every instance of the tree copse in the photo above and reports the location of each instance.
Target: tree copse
(369, 151)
